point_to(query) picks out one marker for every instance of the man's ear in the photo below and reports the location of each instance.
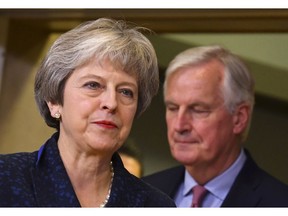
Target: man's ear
(241, 118)
(54, 109)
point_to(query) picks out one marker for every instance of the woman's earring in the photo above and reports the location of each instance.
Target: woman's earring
(57, 115)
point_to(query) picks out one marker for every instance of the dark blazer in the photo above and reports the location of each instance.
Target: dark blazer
(39, 179)
(253, 187)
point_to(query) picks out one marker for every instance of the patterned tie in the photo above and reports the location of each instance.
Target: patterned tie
(198, 194)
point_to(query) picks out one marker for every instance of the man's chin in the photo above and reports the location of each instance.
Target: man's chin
(183, 157)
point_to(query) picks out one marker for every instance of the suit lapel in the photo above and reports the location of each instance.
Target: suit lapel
(167, 181)
(174, 181)
(243, 191)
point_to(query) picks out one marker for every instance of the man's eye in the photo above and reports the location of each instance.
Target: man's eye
(200, 113)
(171, 108)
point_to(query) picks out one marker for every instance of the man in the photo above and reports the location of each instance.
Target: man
(209, 98)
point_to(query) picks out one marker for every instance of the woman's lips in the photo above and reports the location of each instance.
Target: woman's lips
(106, 124)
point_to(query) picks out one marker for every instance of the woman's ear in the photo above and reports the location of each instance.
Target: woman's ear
(54, 109)
(241, 118)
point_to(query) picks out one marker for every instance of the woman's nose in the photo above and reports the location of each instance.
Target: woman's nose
(109, 100)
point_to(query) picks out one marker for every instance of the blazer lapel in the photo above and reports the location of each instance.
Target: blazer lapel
(51, 183)
(172, 182)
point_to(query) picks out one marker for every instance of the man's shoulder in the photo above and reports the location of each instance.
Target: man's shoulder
(167, 173)
(272, 184)
(254, 186)
(251, 171)
(167, 178)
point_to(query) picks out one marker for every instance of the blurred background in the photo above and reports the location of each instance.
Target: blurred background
(260, 37)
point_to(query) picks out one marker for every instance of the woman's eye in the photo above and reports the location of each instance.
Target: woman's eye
(127, 92)
(93, 85)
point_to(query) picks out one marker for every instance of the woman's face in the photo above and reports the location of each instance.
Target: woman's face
(99, 106)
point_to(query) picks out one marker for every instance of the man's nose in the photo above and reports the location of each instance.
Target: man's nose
(183, 121)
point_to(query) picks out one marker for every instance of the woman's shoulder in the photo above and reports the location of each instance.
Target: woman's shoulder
(128, 190)
(142, 194)
(17, 161)
(26, 160)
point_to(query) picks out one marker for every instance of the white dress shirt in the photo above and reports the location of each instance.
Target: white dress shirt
(218, 187)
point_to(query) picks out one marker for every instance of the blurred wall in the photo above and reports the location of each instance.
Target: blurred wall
(22, 128)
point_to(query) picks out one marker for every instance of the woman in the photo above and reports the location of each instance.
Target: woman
(93, 82)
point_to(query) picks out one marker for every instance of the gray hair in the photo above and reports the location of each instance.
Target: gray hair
(123, 44)
(238, 83)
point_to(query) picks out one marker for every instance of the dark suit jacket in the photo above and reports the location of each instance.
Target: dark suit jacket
(39, 179)
(253, 187)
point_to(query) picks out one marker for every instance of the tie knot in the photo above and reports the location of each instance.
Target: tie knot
(198, 194)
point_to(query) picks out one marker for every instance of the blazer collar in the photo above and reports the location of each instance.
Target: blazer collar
(50, 180)
(53, 187)
(127, 190)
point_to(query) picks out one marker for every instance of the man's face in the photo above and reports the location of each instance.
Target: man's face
(201, 131)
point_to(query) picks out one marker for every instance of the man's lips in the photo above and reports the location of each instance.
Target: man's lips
(106, 124)
(182, 141)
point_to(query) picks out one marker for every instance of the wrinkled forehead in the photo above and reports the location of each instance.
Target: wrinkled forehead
(115, 63)
(211, 73)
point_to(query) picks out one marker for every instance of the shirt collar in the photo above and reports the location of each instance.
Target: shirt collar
(220, 185)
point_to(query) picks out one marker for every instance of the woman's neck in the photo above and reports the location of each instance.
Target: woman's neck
(91, 176)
